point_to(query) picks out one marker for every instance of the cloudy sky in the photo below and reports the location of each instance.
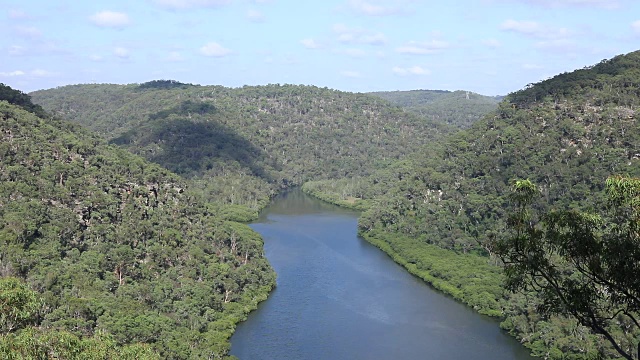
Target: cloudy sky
(491, 47)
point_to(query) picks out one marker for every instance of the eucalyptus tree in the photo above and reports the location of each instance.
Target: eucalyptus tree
(582, 265)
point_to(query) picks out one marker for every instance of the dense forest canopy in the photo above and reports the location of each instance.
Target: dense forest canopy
(291, 131)
(456, 108)
(163, 84)
(615, 77)
(254, 139)
(583, 265)
(119, 250)
(20, 99)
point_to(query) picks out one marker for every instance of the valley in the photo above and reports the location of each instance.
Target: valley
(124, 207)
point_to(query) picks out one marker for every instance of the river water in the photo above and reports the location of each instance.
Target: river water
(338, 297)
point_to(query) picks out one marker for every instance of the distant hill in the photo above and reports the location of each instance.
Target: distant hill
(20, 99)
(457, 108)
(254, 139)
(113, 250)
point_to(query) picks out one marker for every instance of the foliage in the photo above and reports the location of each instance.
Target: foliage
(594, 84)
(118, 245)
(264, 138)
(17, 97)
(466, 277)
(163, 84)
(349, 195)
(19, 305)
(582, 265)
(457, 108)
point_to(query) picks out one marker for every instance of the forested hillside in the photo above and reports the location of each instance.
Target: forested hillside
(456, 108)
(246, 143)
(100, 248)
(566, 134)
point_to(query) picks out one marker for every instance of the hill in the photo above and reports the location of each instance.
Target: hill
(113, 250)
(566, 134)
(254, 139)
(456, 108)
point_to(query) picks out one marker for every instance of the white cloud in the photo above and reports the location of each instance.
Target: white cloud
(175, 56)
(556, 45)
(353, 52)
(374, 39)
(17, 14)
(532, 67)
(122, 53)
(189, 4)
(290, 60)
(423, 48)
(413, 70)
(12, 73)
(535, 29)
(96, 58)
(17, 50)
(255, 15)
(492, 43)
(371, 9)
(32, 73)
(524, 27)
(42, 73)
(310, 43)
(110, 19)
(214, 49)
(36, 47)
(349, 35)
(636, 26)
(350, 74)
(28, 31)
(607, 4)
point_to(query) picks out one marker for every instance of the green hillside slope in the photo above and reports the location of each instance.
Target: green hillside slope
(456, 108)
(254, 139)
(116, 247)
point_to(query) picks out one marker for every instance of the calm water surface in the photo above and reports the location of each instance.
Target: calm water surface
(338, 297)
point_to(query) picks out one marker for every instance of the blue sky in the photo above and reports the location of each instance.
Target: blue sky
(490, 47)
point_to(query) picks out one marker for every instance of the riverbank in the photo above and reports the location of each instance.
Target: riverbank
(314, 189)
(472, 280)
(468, 278)
(339, 297)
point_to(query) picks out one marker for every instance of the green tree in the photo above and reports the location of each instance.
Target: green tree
(582, 265)
(19, 305)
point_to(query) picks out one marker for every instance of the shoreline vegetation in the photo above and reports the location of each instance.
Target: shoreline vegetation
(314, 188)
(467, 278)
(474, 280)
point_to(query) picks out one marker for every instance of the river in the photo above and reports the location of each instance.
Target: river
(339, 297)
